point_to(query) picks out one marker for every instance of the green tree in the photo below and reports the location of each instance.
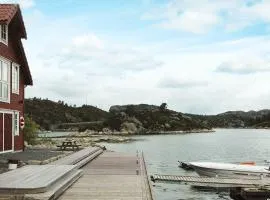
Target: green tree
(30, 130)
(163, 106)
(130, 110)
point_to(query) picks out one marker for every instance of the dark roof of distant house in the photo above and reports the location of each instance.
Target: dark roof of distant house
(8, 12)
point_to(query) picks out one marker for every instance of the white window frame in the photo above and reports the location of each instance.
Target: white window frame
(8, 81)
(5, 41)
(15, 90)
(16, 125)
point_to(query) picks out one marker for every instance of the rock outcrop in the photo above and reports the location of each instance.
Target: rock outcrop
(146, 119)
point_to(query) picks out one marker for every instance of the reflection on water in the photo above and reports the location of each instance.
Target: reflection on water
(225, 145)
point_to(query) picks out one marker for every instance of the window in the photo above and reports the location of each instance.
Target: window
(4, 33)
(4, 81)
(16, 123)
(15, 78)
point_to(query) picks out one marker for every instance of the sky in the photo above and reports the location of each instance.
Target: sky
(198, 56)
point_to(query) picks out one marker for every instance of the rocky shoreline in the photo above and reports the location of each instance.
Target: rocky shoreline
(84, 141)
(180, 132)
(93, 138)
(90, 133)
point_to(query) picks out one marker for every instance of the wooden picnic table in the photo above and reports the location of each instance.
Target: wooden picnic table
(69, 144)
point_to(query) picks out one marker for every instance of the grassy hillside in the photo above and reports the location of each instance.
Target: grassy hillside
(47, 113)
(236, 119)
(134, 119)
(142, 118)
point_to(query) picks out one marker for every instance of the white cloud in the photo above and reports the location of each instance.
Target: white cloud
(79, 65)
(91, 51)
(23, 3)
(173, 83)
(244, 66)
(26, 3)
(194, 22)
(89, 40)
(106, 72)
(260, 10)
(202, 15)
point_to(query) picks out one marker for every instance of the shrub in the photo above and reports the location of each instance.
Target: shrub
(163, 107)
(30, 130)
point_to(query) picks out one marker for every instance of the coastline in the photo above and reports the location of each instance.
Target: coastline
(92, 138)
(241, 128)
(90, 133)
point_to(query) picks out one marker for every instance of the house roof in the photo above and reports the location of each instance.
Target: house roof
(9, 12)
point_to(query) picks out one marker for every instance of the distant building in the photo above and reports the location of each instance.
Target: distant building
(14, 77)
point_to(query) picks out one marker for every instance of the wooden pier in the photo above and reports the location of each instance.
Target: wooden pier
(91, 173)
(216, 182)
(34, 179)
(240, 189)
(262, 193)
(79, 158)
(112, 176)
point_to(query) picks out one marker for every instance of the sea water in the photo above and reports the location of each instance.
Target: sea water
(162, 153)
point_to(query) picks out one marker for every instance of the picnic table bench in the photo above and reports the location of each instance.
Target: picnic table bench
(69, 144)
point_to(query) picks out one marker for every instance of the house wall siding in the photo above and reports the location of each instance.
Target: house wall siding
(11, 52)
(16, 104)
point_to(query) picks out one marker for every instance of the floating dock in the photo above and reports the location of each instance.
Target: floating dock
(250, 193)
(216, 182)
(240, 189)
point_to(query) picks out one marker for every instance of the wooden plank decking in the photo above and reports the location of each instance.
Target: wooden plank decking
(77, 156)
(111, 176)
(46, 181)
(212, 182)
(33, 178)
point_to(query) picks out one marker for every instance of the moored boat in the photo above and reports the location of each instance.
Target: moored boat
(212, 169)
(185, 166)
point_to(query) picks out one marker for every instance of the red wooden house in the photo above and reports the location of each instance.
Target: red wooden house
(14, 77)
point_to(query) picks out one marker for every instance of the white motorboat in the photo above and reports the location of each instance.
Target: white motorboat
(212, 169)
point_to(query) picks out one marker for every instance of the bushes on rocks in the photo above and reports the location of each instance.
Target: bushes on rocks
(142, 119)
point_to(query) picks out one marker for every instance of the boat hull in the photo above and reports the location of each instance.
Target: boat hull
(229, 173)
